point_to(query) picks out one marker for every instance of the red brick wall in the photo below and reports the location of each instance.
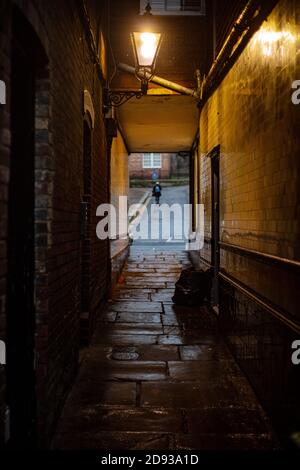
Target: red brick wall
(59, 190)
(136, 169)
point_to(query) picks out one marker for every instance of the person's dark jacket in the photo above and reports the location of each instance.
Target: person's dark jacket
(153, 190)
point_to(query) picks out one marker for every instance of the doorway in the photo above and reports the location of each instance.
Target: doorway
(85, 258)
(26, 59)
(215, 221)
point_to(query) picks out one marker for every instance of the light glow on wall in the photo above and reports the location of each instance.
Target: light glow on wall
(274, 42)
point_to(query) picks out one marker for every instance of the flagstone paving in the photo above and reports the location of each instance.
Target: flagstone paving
(158, 376)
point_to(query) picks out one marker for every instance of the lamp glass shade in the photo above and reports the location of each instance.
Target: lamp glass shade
(146, 46)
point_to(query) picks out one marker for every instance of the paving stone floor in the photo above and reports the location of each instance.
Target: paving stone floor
(158, 376)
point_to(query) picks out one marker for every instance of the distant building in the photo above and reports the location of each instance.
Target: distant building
(157, 165)
(144, 165)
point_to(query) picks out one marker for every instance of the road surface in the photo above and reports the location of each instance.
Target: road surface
(162, 231)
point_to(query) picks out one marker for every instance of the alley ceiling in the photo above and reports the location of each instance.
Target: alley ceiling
(169, 122)
(159, 123)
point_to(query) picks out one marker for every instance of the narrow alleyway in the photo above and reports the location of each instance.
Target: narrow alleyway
(168, 236)
(98, 98)
(158, 376)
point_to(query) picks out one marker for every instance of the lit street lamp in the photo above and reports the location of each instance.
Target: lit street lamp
(146, 46)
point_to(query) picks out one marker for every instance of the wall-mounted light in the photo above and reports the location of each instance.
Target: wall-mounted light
(146, 45)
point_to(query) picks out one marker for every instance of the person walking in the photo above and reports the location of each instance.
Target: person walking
(156, 192)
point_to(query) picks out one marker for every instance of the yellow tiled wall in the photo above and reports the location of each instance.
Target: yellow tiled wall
(119, 171)
(252, 117)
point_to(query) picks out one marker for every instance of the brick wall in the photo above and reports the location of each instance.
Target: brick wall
(4, 178)
(58, 193)
(136, 169)
(180, 165)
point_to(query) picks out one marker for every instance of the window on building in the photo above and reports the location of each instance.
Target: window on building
(152, 160)
(174, 7)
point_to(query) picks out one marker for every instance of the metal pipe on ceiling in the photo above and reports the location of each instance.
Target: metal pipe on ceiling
(161, 81)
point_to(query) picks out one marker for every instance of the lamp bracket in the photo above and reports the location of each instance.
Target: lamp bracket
(118, 97)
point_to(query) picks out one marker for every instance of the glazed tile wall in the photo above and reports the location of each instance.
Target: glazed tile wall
(119, 182)
(262, 346)
(252, 117)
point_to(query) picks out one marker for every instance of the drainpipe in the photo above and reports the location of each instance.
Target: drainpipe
(249, 21)
(161, 81)
(239, 27)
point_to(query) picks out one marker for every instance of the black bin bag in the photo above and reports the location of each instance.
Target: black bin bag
(193, 287)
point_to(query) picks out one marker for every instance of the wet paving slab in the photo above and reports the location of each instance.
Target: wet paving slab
(140, 306)
(123, 370)
(88, 418)
(127, 295)
(158, 376)
(181, 339)
(101, 394)
(204, 394)
(159, 297)
(233, 442)
(152, 352)
(121, 339)
(103, 441)
(134, 270)
(205, 352)
(139, 328)
(157, 352)
(138, 317)
(201, 371)
(143, 284)
(170, 320)
(226, 421)
(158, 276)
